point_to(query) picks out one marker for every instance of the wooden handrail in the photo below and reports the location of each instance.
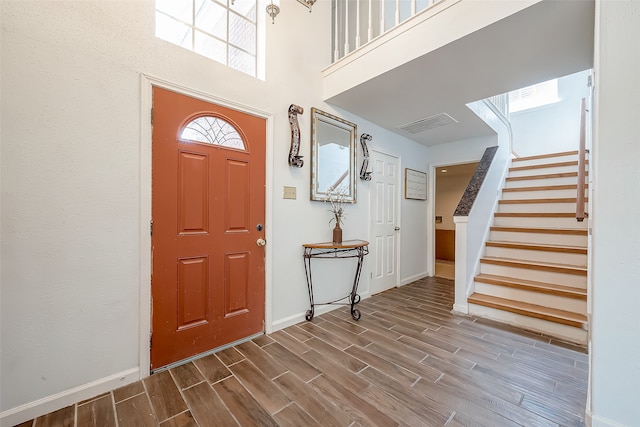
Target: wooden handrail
(581, 162)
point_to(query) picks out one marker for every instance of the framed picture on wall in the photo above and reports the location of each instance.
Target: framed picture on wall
(415, 184)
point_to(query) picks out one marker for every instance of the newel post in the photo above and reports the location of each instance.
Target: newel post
(460, 304)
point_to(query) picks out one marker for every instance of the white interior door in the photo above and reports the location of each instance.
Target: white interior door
(385, 221)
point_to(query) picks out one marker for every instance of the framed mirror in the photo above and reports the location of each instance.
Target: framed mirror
(333, 156)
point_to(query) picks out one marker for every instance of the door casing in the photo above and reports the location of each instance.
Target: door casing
(146, 103)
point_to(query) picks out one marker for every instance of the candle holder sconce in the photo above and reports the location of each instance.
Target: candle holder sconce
(364, 175)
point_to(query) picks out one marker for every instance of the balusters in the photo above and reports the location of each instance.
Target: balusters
(350, 37)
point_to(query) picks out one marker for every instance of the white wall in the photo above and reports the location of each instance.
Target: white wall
(1, 240)
(415, 254)
(71, 179)
(615, 323)
(555, 127)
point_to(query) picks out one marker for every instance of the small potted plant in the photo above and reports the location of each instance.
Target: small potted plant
(336, 197)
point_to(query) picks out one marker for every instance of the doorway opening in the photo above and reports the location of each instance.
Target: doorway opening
(451, 182)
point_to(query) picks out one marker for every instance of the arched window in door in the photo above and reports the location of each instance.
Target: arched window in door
(212, 130)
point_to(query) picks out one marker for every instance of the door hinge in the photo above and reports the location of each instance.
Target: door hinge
(151, 228)
(152, 116)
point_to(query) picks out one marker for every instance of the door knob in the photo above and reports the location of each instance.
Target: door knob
(397, 228)
(261, 242)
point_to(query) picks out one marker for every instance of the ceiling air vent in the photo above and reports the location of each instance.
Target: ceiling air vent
(432, 122)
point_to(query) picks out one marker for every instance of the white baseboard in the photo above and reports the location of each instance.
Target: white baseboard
(297, 318)
(287, 321)
(56, 401)
(461, 309)
(413, 278)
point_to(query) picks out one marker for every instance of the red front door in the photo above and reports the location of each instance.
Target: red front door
(208, 208)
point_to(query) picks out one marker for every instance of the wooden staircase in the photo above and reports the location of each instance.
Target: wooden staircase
(534, 271)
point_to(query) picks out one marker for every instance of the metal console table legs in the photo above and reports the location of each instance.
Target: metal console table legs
(347, 249)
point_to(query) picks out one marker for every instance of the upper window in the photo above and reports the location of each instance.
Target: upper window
(212, 130)
(534, 96)
(227, 31)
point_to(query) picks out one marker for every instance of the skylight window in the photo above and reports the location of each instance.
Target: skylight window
(534, 96)
(231, 33)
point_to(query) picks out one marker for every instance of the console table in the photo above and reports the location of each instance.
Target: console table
(347, 249)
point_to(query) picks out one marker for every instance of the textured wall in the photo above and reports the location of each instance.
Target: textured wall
(71, 181)
(615, 267)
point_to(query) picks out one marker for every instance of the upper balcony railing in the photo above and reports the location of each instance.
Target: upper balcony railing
(357, 22)
(501, 102)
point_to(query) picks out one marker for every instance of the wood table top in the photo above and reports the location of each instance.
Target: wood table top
(346, 244)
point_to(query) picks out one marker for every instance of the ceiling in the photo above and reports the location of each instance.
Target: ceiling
(549, 39)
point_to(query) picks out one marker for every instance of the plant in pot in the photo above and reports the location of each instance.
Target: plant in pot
(336, 197)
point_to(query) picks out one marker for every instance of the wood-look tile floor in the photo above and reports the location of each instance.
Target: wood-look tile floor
(445, 269)
(408, 361)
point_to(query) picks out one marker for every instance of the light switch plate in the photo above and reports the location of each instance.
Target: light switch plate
(289, 193)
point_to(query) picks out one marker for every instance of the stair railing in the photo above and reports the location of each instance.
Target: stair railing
(582, 153)
(502, 103)
(356, 23)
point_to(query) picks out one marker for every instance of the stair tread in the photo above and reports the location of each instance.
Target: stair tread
(522, 288)
(541, 230)
(546, 200)
(546, 156)
(544, 176)
(543, 188)
(538, 265)
(537, 214)
(532, 310)
(544, 166)
(550, 288)
(538, 246)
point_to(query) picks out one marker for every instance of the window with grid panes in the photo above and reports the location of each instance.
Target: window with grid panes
(534, 96)
(228, 31)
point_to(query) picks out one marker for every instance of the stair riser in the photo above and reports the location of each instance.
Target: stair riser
(538, 256)
(557, 159)
(546, 239)
(536, 222)
(564, 332)
(536, 177)
(537, 207)
(568, 180)
(531, 297)
(553, 277)
(543, 171)
(541, 194)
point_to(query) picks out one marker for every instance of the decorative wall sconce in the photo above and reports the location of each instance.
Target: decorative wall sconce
(364, 175)
(273, 8)
(294, 158)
